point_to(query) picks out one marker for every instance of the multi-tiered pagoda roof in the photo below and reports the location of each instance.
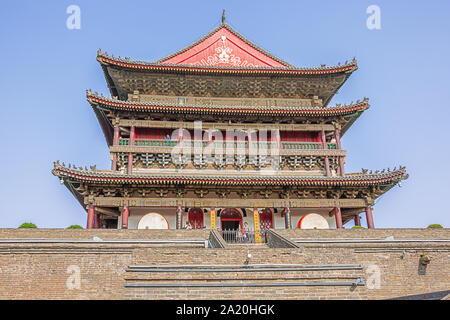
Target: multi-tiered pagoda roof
(226, 81)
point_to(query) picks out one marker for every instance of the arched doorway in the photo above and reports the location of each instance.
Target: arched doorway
(195, 218)
(230, 219)
(266, 220)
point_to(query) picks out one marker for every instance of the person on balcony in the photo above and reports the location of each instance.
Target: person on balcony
(167, 138)
(188, 226)
(245, 232)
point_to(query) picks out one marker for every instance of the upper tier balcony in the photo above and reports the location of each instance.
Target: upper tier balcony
(285, 145)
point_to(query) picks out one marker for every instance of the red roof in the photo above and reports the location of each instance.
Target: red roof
(224, 47)
(223, 50)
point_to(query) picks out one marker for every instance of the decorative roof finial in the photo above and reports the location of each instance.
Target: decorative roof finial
(223, 16)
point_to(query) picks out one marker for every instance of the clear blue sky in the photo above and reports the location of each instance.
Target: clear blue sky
(404, 69)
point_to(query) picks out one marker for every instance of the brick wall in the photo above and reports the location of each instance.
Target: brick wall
(103, 234)
(42, 270)
(367, 233)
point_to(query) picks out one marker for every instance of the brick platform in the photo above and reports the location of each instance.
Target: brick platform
(46, 270)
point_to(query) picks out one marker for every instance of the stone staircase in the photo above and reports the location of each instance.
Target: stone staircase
(240, 271)
(244, 281)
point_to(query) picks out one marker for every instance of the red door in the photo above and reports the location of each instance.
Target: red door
(266, 220)
(195, 217)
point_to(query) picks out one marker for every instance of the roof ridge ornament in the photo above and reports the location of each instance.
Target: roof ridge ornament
(223, 17)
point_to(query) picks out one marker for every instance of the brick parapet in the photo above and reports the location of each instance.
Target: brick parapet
(42, 271)
(39, 233)
(424, 233)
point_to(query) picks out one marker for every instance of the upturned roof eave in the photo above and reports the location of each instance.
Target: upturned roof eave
(106, 60)
(349, 123)
(109, 81)
(359, 179)
(105, 125)
(135, 66)
(115, 104)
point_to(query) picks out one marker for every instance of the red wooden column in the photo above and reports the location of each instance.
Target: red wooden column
(326, 162)
(287, 218)
(337, 135)
(130, 155)
(125, 214)
(369, 218)
(278, 141)
(357, 220)
(90, 217)
(338, 217)
(179, 217)
(115, 143)
(97, 221)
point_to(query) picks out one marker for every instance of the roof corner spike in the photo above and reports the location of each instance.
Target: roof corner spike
(223, 16)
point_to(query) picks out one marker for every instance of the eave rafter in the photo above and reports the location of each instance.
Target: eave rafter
(108, 177)
(100, 101)
(127, 63)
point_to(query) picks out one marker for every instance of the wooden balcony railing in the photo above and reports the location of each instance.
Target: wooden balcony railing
(228, 144)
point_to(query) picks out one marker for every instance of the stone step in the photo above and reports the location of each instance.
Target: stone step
(249, 280)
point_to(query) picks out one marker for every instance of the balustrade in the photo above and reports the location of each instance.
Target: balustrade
(285, 145)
